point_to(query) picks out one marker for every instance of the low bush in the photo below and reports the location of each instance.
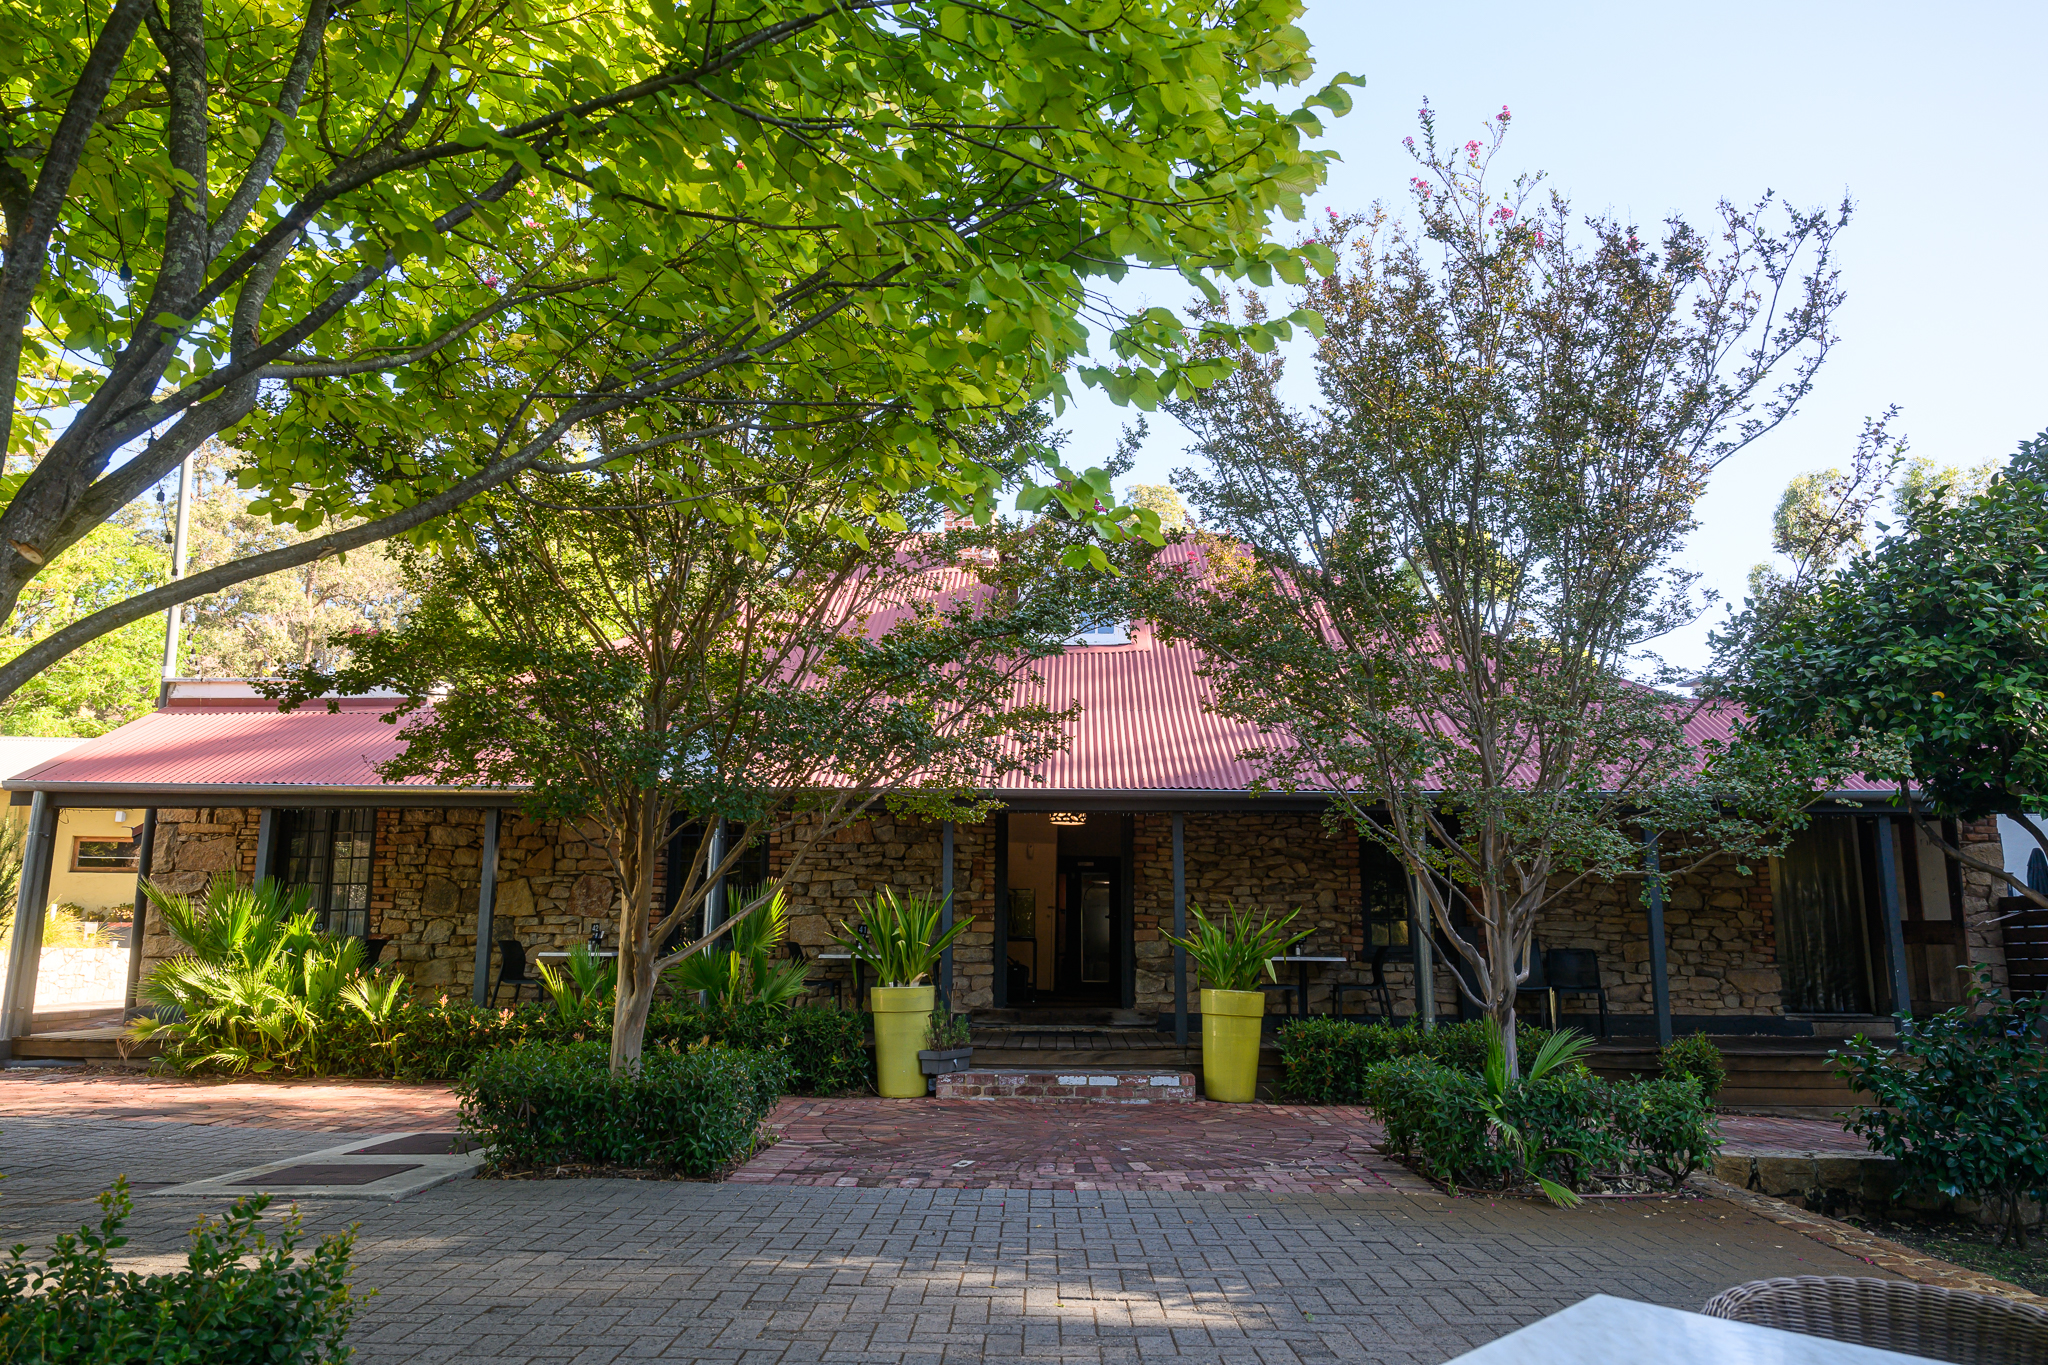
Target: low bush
(1694, 1057)
(691, 1112)
(1324, 1061)
(242, 1296)
(1962, 1100)
(1667, 1126)
(1559, 1124)
(826, 1049)
(437, 1040)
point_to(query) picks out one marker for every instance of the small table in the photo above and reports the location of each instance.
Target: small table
(595, 952)
(1603, 1330)
(1302, 962)
(854, 963)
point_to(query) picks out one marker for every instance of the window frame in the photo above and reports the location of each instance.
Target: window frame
(131, 868)
(298, 866)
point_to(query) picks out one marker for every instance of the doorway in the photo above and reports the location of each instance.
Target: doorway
(1087, 959)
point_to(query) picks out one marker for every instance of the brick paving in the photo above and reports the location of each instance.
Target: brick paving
(307, 1106)
(1771, 1133)
(1073, 1145)
(746, 1274)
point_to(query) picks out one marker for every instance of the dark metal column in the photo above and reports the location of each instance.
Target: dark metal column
(486, 904)
(266, 842)
(1180, 931)
(1660, 981)
(24, 952)
(945, 982)
(1423, 935)
(144, 859)
(1894, 928)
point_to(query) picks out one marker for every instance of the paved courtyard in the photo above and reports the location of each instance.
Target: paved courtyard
(761, 1271)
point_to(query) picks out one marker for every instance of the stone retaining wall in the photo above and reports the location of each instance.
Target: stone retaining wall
(70, 978)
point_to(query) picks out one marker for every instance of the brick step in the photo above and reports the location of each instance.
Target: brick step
(1098, 1086)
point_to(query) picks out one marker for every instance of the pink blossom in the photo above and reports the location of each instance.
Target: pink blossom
(1472, 147)
(1409, 143)
(1419, 185)
(1504, 114)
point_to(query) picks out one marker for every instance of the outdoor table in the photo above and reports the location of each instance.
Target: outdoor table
(564, 956)
(854, 963)
(1603, 1330)
(1302, 962)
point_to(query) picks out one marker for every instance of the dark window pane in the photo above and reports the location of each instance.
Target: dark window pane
(328, 853)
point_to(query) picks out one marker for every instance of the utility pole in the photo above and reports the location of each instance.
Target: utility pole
(171, 617)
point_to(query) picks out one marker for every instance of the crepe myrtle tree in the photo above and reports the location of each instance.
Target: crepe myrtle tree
(406, 251)
(1924, 659)
(640, 651)
(1430, 589)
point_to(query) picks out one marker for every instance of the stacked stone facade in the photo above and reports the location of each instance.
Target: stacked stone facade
(554, 884)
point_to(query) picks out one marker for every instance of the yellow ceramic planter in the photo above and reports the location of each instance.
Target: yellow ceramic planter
(1230, 1044)
(903, 1016)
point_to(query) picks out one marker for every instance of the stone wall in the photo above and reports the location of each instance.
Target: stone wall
(553, 884)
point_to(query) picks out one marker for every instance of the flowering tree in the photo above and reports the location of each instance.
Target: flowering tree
(1428, 591)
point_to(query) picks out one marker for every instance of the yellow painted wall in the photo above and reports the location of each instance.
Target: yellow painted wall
(101, 895)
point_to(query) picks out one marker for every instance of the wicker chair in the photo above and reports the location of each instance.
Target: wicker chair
(1893, 1315)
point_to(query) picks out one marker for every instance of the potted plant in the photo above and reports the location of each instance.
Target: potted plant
(950, 1048)
(1235, 956)
(899, 940)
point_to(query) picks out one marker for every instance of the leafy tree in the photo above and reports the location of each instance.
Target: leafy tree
(1164, 500)
(643, 650)
(113, 678)
(1924, 661)
(1427, 591)
(410, 250)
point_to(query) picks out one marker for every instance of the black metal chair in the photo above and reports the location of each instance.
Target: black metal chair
(1376, 987)
(1576, 971)
(794, 951)
(512, 971)
(1538, 983)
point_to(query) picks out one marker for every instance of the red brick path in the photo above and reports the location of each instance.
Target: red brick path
(1074, 1145)
(308, 1106)
(1764, 1133)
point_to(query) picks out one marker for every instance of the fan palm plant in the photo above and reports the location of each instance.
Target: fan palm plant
(255, 984)
(583, 991)
(746, 970)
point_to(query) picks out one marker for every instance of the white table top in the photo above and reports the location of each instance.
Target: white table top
(1603, 1330)
(599, 952)
(835, 957)
(1299, 958)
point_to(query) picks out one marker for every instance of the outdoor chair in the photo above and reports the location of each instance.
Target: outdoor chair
(512, 971)
(1376, 987)
(1575, 971)
(373, 949)
(1538, 984)
(794, 951)
(1893, 1315)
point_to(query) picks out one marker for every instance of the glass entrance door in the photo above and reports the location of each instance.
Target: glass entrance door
(1088, 958)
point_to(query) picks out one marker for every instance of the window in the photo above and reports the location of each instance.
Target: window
(105, 855)
(327, 852)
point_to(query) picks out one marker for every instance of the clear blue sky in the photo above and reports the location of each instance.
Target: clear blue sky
(1929, 116)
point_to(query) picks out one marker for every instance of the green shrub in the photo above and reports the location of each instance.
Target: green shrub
(1667, 1125)
(1559, 1124)
(1962, 1103)
(242, 1296)
(691, 1112)
(439, 1040)
(1324, 1061)
(1695, 1057)
(826, 1049)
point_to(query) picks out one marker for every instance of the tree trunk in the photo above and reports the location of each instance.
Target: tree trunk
(637, 950)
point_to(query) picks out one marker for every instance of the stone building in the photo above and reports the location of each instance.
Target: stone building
(1070, 886)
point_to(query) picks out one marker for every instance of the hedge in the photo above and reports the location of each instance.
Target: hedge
(692, 1112)
(1324, 1061)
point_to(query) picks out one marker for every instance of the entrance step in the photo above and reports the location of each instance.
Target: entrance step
(99, 1044)
(1099, 1086)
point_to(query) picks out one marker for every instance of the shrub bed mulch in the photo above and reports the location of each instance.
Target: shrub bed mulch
(1973, 1246)
(1867, 1247)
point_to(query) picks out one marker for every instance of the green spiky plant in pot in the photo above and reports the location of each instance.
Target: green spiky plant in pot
(899, 939)
(1234, 957)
